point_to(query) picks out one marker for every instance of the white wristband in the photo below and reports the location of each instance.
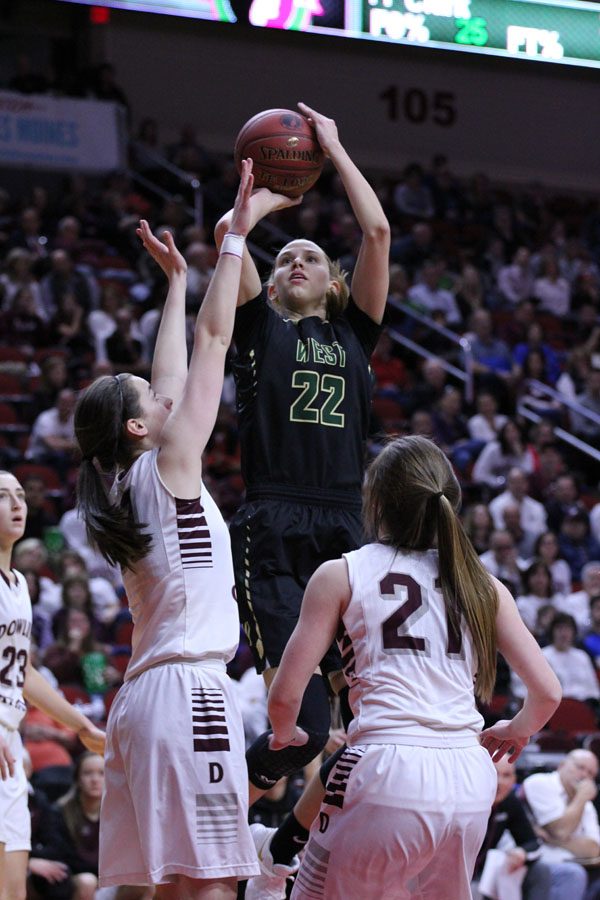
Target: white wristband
(233, 244)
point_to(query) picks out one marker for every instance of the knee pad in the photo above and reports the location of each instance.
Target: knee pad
(266, 766)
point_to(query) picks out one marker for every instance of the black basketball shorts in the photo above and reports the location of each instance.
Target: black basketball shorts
(277, 545)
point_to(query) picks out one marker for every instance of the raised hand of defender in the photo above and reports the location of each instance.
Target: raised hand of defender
(241, 217)
(164, 252)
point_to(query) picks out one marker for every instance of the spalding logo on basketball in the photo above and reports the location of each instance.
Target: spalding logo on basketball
(285, 151)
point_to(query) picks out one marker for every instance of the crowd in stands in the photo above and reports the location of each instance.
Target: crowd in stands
(513, 270)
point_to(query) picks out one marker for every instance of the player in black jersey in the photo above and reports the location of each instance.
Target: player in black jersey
(303, 394)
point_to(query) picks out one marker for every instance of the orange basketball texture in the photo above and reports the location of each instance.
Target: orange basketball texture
(285, 151)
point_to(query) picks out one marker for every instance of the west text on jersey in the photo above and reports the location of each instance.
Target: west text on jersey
(328, 354)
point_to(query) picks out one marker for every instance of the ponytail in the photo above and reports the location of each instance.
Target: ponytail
(411, 502)
(468, 590)
(100, 414)
(111, 527)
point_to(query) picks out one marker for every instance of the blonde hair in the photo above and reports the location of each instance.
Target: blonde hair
(335, 301)
(411, 501)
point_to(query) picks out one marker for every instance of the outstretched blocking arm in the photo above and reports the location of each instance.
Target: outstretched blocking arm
(169, 362)
(38, 692)
(325, 599)
(262, 202)
(370, 280)
(188, 427)
(523, 654)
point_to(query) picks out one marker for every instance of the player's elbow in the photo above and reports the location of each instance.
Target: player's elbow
(221, 229)
(282, 703)
(552, 693)
(378, 232)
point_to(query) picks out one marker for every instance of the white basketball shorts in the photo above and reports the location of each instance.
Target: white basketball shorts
(176, 794)
(15, 820)
(399, 822)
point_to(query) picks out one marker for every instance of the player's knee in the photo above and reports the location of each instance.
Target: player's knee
(266, 766)
(86, 885)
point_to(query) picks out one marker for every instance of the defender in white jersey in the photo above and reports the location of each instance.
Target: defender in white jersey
(19, 683)
(418, 620)
(175, 807)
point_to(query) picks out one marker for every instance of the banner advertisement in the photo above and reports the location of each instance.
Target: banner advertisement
(59, 133)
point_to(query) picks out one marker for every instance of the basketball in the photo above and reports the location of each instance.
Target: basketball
(285, 151)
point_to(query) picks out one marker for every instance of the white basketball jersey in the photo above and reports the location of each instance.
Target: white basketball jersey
(181, 595)
(410, 676)
(15, 638)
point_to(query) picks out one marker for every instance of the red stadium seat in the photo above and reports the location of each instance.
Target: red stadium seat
(120, 661)
(13, 354)
(48, 475)
(75, 692)
(574, 718)
(10, 384)
(109, 697)
(123, 633)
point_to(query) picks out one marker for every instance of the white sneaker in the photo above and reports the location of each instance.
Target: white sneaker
(271, 884)
(266, 887)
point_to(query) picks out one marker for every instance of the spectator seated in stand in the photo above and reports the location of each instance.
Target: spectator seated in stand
(577, 544)
(589, 397)
(76, 658)
(533, 514)
(515, 281)
(551, 290)
(502, 560)
(53, 378)
(538, 592)
(577, 603)
(72, 527)
(511, 522)
(561, 804)
(52, 440)
(572, 666)
(21, 325)
(500, 455)
(124, 350)
(478, 525)
(41, 513)
(429, 296)
(106, 604)
(591, 638)
(530, 386)
(412, 197)
(547, 550)
(535, 341)
(516, 870)
(30, 555)
(69, 834)
(564, 497)
(487, 422)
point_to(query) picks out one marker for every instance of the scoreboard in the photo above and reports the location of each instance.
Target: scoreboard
(212, 10)
(559, 31)
(565, 31)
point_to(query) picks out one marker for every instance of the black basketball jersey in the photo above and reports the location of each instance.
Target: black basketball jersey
(303, 396)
